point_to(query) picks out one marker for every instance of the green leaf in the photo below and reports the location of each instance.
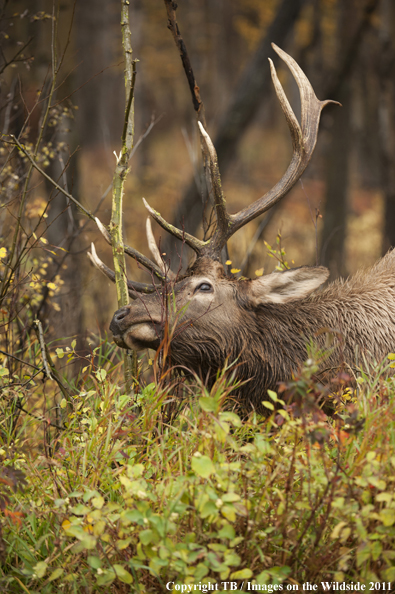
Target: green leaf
(227, 531)
(363, 554)
(208, 509)
(101, 375)
(387, 516)
(106, 578)
(146, 536)
(268, 404)
(4, 371)
(55, 574)
(232, 559)
(40, 569)
(87, 495)
(80, 509)
(94, 561)
(122, 574)
(230, 497)
(272, 395)
(89, 542)
(263, 578)
(208, 404)
(98, 502)
(123, 543)
(60, 353)
(229, 512)
(242, 574)
(231, 417)
(203, 466)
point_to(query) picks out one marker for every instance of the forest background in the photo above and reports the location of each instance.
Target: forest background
(342, 213)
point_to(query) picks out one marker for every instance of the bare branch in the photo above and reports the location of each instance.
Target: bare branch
(171, 8)
(52, 181)
(40, 334)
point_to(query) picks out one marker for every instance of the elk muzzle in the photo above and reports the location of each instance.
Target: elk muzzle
(131, 331)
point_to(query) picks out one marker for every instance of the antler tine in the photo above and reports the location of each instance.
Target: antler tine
(155, 251)
(146, 262)
(196, 244)
(133, 287)
(304, 138)
(223, 217)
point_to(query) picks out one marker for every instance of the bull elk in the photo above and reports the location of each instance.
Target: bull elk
(264, 324)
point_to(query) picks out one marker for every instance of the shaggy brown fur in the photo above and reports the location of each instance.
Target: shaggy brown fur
(266, 323)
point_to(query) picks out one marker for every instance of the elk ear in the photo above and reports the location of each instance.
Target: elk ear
(281, 287)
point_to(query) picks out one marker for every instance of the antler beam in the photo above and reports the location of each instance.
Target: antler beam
(196, 244)
(133, 287)
(304, 139)
(146, 262)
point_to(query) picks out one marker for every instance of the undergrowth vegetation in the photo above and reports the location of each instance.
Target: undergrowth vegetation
(187, 492)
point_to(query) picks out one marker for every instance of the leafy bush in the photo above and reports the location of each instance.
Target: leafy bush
(135, 502)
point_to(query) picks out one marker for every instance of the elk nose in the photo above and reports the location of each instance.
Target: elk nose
(116, 325)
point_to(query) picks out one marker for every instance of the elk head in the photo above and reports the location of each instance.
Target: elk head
(212, 305)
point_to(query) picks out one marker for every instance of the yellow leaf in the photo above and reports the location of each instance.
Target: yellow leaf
(235, 270)
(228, 262)
(3, 252)
(51, 286)
(66, 524)
(259, 272)
(43, 240)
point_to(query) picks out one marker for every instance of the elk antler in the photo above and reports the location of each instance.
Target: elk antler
(133, 287)
(304, 138)
(158, 271)
(155, 251)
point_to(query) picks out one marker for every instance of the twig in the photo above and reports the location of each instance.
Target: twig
(49, 367)
(14, 59)
(40, 334)
(42, 419)
(171, 8)
(148, 130)
(20, 360)
(51, 180)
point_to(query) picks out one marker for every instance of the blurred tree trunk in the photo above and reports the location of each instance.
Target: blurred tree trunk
(337, 181)
(250, 93)
(338, 159)
(62, 221)
(63, 224)
(100, 108)
(387, 120)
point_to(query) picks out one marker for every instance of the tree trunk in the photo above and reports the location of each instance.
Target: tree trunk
(337, 178)
(387, 121)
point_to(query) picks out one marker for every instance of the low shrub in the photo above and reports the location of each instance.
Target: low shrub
(120, 502)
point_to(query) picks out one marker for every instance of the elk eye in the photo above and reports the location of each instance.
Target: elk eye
(204, 287)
